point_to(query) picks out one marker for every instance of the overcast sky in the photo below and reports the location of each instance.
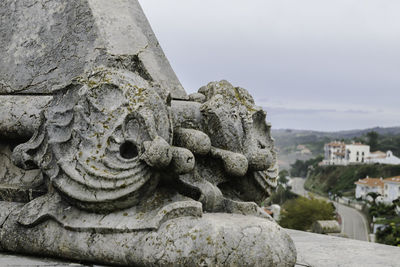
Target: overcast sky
(312, 64)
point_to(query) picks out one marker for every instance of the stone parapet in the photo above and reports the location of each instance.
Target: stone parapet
(328, 251)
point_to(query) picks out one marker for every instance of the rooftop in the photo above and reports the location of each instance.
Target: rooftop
(336, 144)
(371, 182)
(395, 179)
(377, 155)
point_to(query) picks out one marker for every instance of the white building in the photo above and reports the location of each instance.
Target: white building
(339, 153)
(383, 158)
(388, 188)
(367, 185)
(357, 153)
(335, 153)
(376, 155)
(391, 189)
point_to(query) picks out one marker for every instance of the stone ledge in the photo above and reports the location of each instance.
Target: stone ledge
(313, 250)
(18, 260)
(322, 250)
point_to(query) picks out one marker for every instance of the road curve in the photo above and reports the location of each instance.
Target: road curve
(354, 224)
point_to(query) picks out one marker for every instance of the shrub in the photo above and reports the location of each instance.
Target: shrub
(389, 235)
(301, 213)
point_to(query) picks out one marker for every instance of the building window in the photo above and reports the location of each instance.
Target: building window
(357, 159)
(362, 153)
(358, 153)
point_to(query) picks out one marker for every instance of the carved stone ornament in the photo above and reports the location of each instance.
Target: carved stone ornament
(123, 167)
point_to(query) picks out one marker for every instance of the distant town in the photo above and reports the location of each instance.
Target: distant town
(339, 153)
(358, 171)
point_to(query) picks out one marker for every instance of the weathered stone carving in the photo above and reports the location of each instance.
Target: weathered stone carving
(48, 43)
(239, 163)
(95, 140)
(127, 169)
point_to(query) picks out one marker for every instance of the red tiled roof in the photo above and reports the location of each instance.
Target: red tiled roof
(395, 179)
(268, 211)
(371, 182)
(336, 144)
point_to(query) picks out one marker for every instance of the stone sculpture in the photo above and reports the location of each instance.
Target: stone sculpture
(123, 167)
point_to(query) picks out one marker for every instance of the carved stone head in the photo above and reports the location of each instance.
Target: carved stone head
(234, 123)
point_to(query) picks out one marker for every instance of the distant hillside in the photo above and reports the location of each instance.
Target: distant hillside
(340, 179)
(303, 144)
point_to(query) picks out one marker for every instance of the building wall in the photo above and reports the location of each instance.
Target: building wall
(392, 191)
(331, 157)
(359, 191)
(357, 153)
(363, 190)
(390, 159)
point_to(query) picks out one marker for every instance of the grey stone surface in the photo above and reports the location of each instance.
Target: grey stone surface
(6, 209)
(317, 250)
(123, 167)
(240, 141)
(326, 227)
(313, 250)
(212, 240)
(16, 184)
(90, 125)
(20, 115)
(13, 175)
(148, 215)
(99, 139)
(105, 147)
(45, 44)
(19, 260)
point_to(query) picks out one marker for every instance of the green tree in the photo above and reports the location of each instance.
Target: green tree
(301, 213)
(282, 177)
(300, 167)
(374, 196)
(396, 202)
(373, 140)
(281, 195)
(389, 235)
(381, 210)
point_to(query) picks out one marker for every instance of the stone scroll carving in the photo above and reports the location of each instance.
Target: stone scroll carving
(107, 140)
(118, 157)
(127, 168)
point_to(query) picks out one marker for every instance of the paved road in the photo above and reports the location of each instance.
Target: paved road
(297, 185)
(354, 224)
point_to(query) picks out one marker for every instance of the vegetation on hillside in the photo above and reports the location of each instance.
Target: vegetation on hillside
(340, 179)
(300, 168)
(381, 142)
(301, 213)
(286, 141)
(384, 214)
(282, 192)
(389, 235)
